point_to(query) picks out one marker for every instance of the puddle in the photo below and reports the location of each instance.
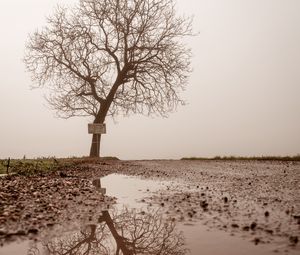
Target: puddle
(134, 227)
(130, 190)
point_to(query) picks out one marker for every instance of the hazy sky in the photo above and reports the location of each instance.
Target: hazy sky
(243, 96)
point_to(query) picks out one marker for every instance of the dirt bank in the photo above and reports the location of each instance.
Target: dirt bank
(257, 200)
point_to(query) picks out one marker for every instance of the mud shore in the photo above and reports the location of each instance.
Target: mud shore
(258, 200)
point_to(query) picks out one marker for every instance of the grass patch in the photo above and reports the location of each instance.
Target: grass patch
(43, 165)
(34, 166)
(261, 158)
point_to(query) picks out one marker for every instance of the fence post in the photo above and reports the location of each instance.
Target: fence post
(7, 165)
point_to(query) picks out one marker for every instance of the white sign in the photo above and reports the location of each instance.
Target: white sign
(96, 128)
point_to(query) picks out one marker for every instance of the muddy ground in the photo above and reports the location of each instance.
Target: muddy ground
(259, 200)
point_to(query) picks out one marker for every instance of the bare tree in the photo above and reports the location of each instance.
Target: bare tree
(126, 232)
(106, 57)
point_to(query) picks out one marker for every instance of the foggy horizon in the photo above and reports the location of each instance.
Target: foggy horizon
(242, 97)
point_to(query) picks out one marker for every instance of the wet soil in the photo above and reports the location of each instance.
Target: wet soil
(256, 200)
(30, 204)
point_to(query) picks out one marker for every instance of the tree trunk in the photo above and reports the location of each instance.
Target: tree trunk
(100, 118)
(95, 146)
(120, 240)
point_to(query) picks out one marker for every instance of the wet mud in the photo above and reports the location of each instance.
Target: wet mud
(256, 202)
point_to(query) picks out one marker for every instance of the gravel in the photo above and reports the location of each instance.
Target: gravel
(256, 199)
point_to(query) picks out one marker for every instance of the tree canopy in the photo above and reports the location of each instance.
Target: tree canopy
(110, 57)
(127, 51)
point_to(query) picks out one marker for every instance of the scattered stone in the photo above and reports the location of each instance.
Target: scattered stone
(253, 225)
(21, 233)
(256, 240)
(294, 240)
(33, 231)
(246, 228)
(39, 196)
(63, 175)
(269, 231)
(204, 204)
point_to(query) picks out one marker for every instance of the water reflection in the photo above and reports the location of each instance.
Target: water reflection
(126, 232)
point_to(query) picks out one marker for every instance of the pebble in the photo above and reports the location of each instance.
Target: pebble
(269, 231)
(253, 225)
(204, 204)
(33, 231)
(246, 228)
(294, 239)
(256, 241)
(21, 233)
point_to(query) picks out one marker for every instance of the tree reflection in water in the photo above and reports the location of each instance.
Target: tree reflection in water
(128, 232)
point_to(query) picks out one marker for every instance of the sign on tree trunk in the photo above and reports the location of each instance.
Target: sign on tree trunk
(96, 128)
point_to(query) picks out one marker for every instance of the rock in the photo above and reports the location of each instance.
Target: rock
(225, 199)
(256, 241)
(63, 175)
(253, 225)
(21, 233)
(33, 231)
(97, 183)
(267, 214)
(294, 240)
(5, 214)
(204, 205)
(269, 231)
(246, 228)
(234, 225)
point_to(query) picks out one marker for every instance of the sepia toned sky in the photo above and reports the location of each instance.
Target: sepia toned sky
(243, 96)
